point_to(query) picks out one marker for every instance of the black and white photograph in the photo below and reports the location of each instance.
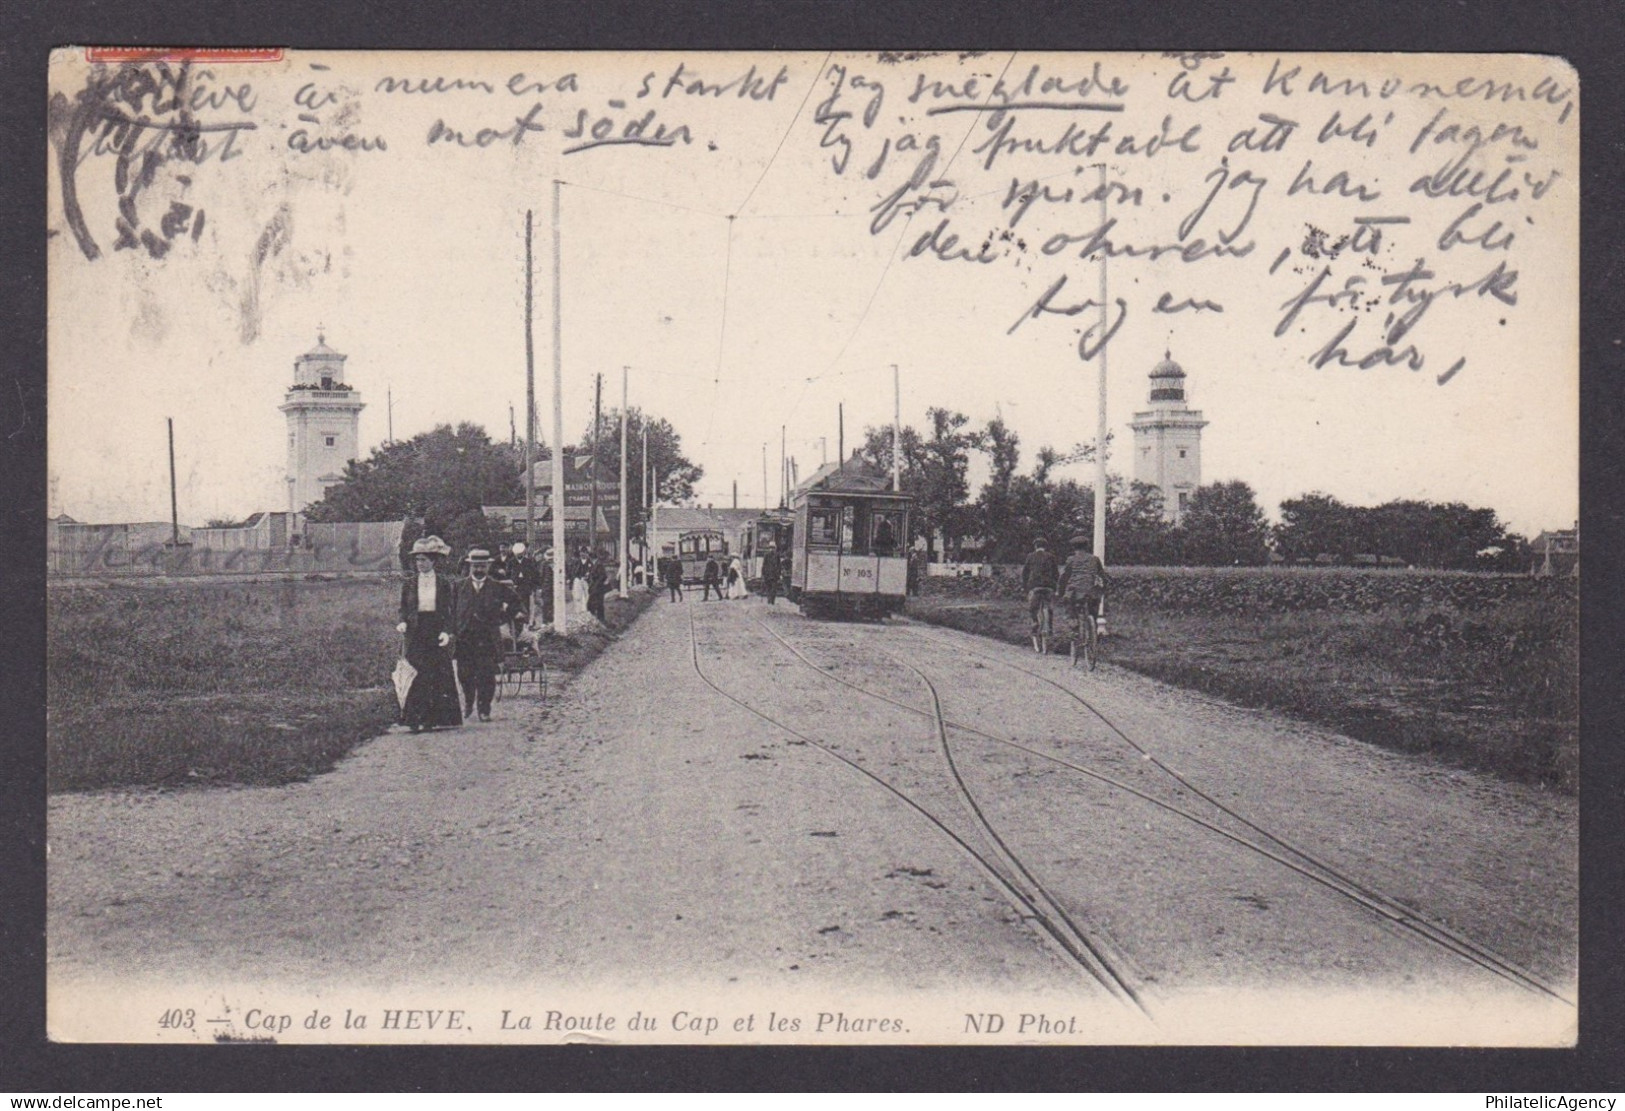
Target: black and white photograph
(813, 548)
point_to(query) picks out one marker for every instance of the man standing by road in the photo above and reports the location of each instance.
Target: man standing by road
(482, 606)
(770, 573)
(671, 569)
(597, 586)
(712, 579)
(1039, 575)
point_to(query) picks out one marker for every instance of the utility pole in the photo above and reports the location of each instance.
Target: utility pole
(736, 494)
(784, 474)
(896, 430)
(174, 504)
(560, 605)
(764, 478)
(840, 435)
(530, 400)
(1100, 422)
(624, 568)
(647, 497)
(592, 460)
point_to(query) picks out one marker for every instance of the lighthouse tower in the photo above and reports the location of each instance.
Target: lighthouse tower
(1168, 440)
(324, 420)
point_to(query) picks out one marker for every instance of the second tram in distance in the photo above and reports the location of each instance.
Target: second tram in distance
(772, 529)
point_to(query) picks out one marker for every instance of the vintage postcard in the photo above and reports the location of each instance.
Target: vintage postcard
(1021, 548)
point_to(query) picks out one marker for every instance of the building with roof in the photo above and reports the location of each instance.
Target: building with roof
(1556, 552)
(1168, 440)
(324, 424)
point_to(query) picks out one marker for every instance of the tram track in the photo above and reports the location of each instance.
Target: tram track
(1275, 848)
(1032, 900)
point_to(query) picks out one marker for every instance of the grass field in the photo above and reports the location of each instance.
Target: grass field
(199, 683)
(1477, 670)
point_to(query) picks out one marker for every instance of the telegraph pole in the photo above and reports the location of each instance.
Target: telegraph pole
(840, 435)
(623, 483)
(592, 460)
(1100, 421)
(174, 504)
(784, 473)
(647, 498)
(896, 430)
(530, 400)
(560, 605)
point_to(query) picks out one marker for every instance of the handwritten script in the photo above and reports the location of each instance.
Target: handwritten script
(1363, 214)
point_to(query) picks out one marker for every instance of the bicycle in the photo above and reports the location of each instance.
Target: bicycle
(1085, 636)
(1041, 607)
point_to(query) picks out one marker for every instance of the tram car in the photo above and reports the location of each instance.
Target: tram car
(772, 528)
(697, 546)
(849, 544)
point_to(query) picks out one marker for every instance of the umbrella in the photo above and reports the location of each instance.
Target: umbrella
(404, 674)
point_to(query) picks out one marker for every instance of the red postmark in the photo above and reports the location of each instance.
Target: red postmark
(183, 53)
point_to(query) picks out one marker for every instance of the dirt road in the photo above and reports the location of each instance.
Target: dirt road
(711, 834)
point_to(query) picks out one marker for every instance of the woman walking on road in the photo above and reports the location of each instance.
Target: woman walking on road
(428, 601)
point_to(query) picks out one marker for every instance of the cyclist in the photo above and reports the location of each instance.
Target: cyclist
(1083, 584)
(1038, 577)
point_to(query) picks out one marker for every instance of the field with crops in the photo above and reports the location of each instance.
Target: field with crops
(1478, 670)
(198, 682)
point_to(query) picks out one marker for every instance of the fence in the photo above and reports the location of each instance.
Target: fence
(146, 549)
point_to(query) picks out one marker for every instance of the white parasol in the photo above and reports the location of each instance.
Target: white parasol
(404, 674)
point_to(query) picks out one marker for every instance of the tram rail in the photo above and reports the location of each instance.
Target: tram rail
(1000, 863)
(1284, 852)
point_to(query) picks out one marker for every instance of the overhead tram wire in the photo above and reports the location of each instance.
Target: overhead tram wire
(722, 334)
(811, 85)
(645, 200)
(892, 254)
(716, 384)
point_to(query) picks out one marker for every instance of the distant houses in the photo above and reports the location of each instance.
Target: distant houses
(1556, 552)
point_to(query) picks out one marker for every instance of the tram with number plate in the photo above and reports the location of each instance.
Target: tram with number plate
(849, 544)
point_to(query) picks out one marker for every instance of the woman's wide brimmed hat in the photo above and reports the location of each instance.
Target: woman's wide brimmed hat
(431, 546)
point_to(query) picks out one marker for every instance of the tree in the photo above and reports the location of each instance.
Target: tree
(675, 475)
(944, 461)
(997, 516)
(1223, 525)
(875, 452)
(933, 473)
(442, 476)
(1137, 531)
(1316, 524)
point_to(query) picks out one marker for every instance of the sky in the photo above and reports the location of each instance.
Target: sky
(752, 281)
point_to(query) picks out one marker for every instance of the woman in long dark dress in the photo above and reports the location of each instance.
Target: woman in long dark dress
(427, 601)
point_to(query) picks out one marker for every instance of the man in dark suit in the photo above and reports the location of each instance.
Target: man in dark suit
(483, 605)
(672, 571)
(770, 574)
(712, 579)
